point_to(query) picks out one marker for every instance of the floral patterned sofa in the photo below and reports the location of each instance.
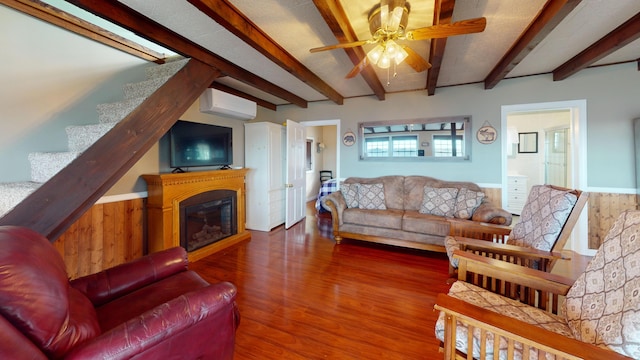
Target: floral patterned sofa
(408, 211)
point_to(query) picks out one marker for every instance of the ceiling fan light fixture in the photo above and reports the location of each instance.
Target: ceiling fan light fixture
(375, 54)
(384, 62)
(401, 54)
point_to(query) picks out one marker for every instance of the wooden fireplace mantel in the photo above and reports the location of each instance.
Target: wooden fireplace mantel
(166, 191)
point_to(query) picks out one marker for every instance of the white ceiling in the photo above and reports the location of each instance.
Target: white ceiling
(297, 26)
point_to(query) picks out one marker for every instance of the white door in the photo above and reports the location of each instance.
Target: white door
(295, 179)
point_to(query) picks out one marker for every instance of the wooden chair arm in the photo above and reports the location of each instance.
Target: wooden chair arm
(512, 329)
(478, 230)
(513, 250)
(502, 270)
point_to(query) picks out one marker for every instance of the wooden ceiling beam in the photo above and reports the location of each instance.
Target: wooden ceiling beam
(124, 16)
(337, 20)
(225, 14)
(60, 18)
(547, 19)
(232, 91)
(443, 12)
(615, 40)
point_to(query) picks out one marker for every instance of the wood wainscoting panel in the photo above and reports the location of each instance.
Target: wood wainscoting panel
(494, 195)
(604, 209)
(106, 235)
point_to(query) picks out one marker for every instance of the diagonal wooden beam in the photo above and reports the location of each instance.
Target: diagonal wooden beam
(443, 12)
(124, 16)
(337, 20)
(618, 38)
(225, 14)
(59, 202)
(547, 19)
(74, 24)
(232, 91)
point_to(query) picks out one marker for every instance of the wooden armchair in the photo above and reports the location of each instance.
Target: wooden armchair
(536, 241)
(542, 314)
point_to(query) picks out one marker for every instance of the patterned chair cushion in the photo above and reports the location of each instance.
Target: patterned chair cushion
(350, 193)
(439, 201)
(450, 245)
(603, 305)
(467, 202)
(543, 216)
(371, 197)
(496, 303)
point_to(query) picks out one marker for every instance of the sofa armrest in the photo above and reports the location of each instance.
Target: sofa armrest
(164, 324)
(492, 214)
(106, 285)
(336, 203)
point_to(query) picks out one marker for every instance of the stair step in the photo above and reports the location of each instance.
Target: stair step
(165, 70)
(114, 112)
(46, 164)
(13, 193)
(143, 89)
(83, 136)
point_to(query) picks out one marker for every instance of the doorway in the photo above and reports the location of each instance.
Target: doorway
(576, 111)
(330, 151)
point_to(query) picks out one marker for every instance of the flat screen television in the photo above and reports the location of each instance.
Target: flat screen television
(194, 144)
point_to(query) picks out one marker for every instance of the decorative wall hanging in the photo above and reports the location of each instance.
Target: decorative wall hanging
(486, 134)
(349, 138)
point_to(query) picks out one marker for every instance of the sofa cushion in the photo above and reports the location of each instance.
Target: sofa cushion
(371, 197)
(414, 186)
(378, 218)
(603, 305)
(425, 224)
(467, 202)
(439, 201)
(350, 193)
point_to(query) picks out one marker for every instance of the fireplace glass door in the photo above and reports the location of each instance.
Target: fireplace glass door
(207, 218)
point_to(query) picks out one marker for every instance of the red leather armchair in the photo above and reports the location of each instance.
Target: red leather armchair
(151, 308)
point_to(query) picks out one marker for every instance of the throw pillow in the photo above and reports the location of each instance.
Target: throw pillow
(350, 193)
(467, 202)
(602, 307)
(371, 197)
(439, 201)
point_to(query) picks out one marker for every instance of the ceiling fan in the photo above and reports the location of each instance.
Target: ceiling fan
(388, 24)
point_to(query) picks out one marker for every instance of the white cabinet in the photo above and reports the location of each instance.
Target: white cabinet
(264, 156)
(516, 193)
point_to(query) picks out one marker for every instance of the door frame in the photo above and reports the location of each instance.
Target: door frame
(578, 113)
(335, 122)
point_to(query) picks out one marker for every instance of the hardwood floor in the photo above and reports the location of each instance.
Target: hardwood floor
(303, 297)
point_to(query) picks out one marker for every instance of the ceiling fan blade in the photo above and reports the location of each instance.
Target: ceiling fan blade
(463, 27)
(340, 46)
(417, 62)
(358, 68)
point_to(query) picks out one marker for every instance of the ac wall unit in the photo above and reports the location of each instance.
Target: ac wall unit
(213, 101)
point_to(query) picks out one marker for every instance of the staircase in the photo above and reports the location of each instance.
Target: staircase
(45, 165)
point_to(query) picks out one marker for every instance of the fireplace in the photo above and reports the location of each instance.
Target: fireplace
(207, 218)
(206, 205)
